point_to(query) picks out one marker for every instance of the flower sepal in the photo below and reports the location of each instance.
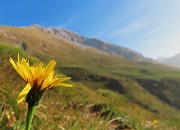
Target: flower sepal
(34, 95)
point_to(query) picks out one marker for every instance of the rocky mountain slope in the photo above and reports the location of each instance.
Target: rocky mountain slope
(95, 43)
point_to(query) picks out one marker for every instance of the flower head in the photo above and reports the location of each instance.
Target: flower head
(155, 122)
(38, 78)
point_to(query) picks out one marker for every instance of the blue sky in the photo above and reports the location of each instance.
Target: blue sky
(151, 27)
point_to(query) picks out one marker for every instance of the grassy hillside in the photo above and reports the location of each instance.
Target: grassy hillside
(62, 107)
(122, 85)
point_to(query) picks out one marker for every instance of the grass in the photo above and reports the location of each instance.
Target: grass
(145, 72)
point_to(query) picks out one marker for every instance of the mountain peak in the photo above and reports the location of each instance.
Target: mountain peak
(64, 34)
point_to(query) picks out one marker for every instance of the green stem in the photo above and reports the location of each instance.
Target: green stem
(31, 110)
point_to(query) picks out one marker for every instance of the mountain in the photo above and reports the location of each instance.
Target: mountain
(135, 91)
(172, 61)
(114, 49)
(95, 43)
(63, 34)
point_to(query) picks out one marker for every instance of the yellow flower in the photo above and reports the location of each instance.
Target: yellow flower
(155, 122)
(37, 77)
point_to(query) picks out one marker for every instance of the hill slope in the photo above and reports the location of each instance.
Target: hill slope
(151, 89)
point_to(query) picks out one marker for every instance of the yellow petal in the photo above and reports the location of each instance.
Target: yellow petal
(49, 68)
(55, 82)
(23, 93)
(14, 65)
(18, 67)
(64, 85)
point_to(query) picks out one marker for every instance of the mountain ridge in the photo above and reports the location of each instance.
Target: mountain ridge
(95, 43)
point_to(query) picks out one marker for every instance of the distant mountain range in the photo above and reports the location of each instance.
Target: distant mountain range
(95, 43)
(172, 61)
